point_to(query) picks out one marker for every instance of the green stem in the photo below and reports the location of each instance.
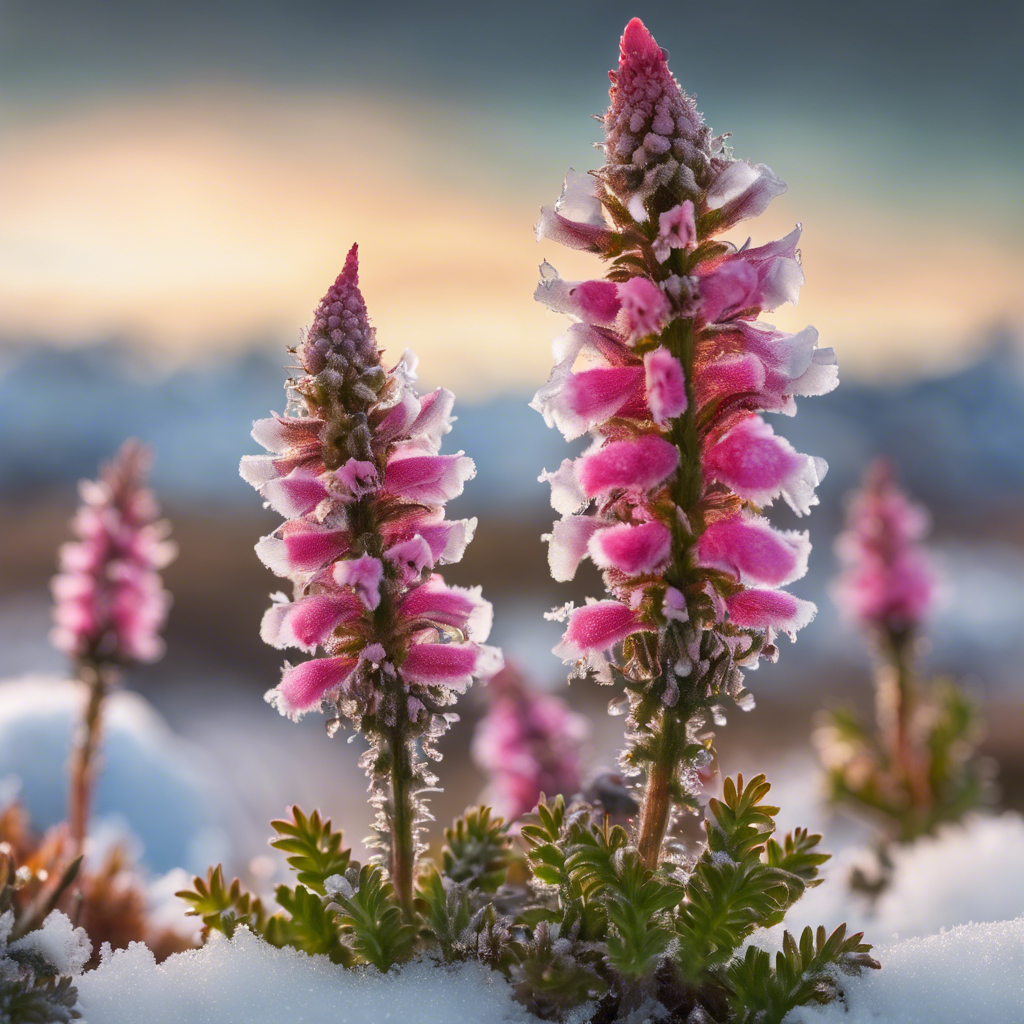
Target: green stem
(657, 804)
(402, 850)
(896, 708)
(83, 755)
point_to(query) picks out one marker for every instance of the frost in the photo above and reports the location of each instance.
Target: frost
(63, 946)
(246, 981)
(973, 974)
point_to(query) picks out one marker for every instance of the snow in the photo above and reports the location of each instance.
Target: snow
(152, 784)
(967, 873)
(973, 974)
(63, 946)
(246, 981)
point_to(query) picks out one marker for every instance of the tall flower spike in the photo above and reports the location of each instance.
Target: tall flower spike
(668, 369)
(529, 744)
(354, 467)
(110, 604)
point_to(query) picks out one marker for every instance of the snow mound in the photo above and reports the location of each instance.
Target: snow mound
(970, 873)
(151, 782)
(63, 946)
(246, 981)
(969, 975)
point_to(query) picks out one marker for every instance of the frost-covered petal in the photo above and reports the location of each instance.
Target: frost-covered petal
(597, 627)
(358, 478)
(820, 377)
(429, 479)
(412, 557)
(665, 385)
(294, 495)
(567, 495)
(759, 466)
(751, 550)
(634, 550)
(460, 607)
(585, 340)
(303, 687)
(645, 308)
(308, 622)
(301, 547)
(729, 289)
(729, 377)
(593, 302)
(434, 419)
(577, 219)
(450, 665)
(363, 575)
(575, 402)
(676, 230)
(638, 464)
(770, 609)
(741, 191)
(282, 434)
(567, 544)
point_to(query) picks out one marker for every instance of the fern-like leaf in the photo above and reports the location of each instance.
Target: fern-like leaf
(316, 851)
(372, 920)
(478, 850)
(223, 907)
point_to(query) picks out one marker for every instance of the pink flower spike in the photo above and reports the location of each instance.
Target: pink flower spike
(666, 385)
(597, 627)
(759, 466)
(634, 550)
(644, 306)
(459, 607)
(741, 191)
(294, 495)
(567, 544)
(358, 478)
(638, 464)
(770, 609)
(450, 665)
(575, 402)
(304, 687)
(676, 230)
(749, 549)
(363, 575)
(428, 479)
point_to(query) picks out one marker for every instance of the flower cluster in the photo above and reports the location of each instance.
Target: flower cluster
(355, 471)
(110, 603)
(887, 582)
(529, 744)
(667, 369)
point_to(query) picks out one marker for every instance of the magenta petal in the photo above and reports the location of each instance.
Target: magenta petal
(633, 550)
(666, 385)
(567, 544)
(770, 609)
(638, 464)
(358, 478)
(303, 687)
(729, 289)
(459, 607)
(309, 622)
(294, 495)
(363, 575)
(597, 627)
(730, 377)
(644, 306)
(593, 302)
(751, 550)
(430, 479)
(575, 402)
(282, 434)
(676, 230)
(449, 665)
(447, 539)
(301, 547)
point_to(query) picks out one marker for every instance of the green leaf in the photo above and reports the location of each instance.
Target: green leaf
(316, 850)
(309, 926)
(223, 907)
(477, 851)
(372, 920)
(446, 912)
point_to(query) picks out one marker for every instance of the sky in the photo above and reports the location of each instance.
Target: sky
(188, 177)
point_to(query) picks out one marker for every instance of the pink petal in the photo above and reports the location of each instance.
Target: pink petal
(770, 609)
(730, 377)
(575, 402)
(741, 191)
(567, 496)
(449, 665)
(644, 306)
(676, 230)
(632, 549)
(577, 219)
(434, 419)
(759, 466)
(597, 627)
(429, 479)
(294, 495)
(363, 575)
(358, 478)
(303, 687)
(459, 607)
(638, 464)
(283, 434)
(666, 385)
(593, 302)
(412, 557)
(752, 551)
(567, 544)
(309, 622)
(728, 290)
(301, 547)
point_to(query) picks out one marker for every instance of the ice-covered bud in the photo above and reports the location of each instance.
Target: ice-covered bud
(528, 743)
(110, 604)
(759, 466)
(666, 385)
(644, 306)
(887, 581)
(676, 230)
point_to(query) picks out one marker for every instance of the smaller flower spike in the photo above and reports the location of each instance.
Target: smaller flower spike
(667, 368)
(354, 467)
(529, 744)
(110, 604)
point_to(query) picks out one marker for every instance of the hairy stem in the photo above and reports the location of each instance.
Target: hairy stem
(402, 846)
(896, 706)
(656, 810)
(83, 755)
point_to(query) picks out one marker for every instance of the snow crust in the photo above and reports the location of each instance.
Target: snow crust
(63, 946)
(973, 974)
(151, 784)
(246, 981)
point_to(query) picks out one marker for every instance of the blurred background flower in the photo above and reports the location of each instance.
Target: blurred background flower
(178, 182)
